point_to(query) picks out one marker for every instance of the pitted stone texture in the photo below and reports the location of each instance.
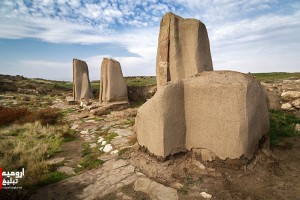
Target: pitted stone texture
(112, 83)
(81, 82)
(224, 112)
(183, 49)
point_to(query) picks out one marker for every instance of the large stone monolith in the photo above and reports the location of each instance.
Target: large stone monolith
(224, 112)
(112, 83)
(81, 82)
(183, 49)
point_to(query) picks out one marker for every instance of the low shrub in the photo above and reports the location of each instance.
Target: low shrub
(10, 115)
(282, 124)
(23, 115)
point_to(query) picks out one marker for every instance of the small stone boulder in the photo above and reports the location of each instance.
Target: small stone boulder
(296, 103)
(290, 95)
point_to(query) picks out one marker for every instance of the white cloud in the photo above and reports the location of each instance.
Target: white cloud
(243, 34)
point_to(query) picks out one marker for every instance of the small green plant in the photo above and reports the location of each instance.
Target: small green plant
(110, 137)
(91, 161)
(52, 177)
(282, 124)
(138, 103)
(183, 191)
(69, 135)
(122, 151)
(86, 149)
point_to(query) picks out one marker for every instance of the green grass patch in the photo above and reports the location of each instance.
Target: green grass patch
(140, 80)
(274, 76)
(52, 177)
(95, 85)
(110, 137)
(282, 124)
(28, 146)
(69, 135)
(122, 151)
(138, 103)
(86, 149)
(91, 161)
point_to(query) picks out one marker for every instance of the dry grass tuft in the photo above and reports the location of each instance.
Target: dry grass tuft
(28, 146)
(10, 115)
(23, 115)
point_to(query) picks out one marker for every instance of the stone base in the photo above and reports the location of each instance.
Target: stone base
(105, 108)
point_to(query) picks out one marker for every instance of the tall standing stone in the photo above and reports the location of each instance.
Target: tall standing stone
(81, 82)
(112, 83)
(183, 49)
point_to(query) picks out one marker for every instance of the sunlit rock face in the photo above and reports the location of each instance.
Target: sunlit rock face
(112, 83)
(183, 49)
(224, 112)
(81, 82)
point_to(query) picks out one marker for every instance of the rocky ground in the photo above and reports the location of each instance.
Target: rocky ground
(129, 172)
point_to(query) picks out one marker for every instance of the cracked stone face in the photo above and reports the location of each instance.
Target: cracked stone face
(183, 49)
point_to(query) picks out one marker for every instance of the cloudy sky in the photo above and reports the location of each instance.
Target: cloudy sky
(39, 38)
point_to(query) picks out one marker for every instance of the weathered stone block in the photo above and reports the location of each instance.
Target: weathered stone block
(183, 49)
(112, 83)
(81, 82)
(223, 111)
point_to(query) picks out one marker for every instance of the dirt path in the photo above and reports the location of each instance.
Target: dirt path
(272, 174)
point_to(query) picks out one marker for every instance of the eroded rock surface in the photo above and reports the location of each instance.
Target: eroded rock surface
(112, 83)
(222, 111)
(81, 82)
(183, 49)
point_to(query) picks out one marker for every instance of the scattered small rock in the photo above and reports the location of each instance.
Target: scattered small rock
(122, 132)
(206, 195)
(296, 103)
(297, 127)
(66, 170)
(290, 95)
(84, 132)
(155, 190)
(114, 152)
(177, 185)
(100, 139)
(286, 106)
(107, 148)
(55, 161)
(93, 145)
(75, 126)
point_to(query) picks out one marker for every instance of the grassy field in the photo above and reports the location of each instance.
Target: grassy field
(274, 76)
(28, 138)
(282, 124)
(54, 87)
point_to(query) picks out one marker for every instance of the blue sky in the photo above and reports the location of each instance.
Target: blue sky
(39, 38)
